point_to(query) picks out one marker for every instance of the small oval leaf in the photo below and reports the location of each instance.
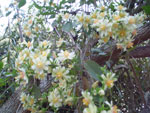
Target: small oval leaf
(21, 3)
(93, 69)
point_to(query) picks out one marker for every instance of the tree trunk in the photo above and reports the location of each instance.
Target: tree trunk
(12, 104)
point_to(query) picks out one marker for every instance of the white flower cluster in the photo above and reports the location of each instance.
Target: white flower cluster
(35, 58)
(117, 25)
(88, 100)
(37, 61)
(63, 81)
(113, 108)
(4, 41)
(28, 102)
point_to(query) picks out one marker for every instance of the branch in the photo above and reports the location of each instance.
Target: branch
(20, 29)
(55, 29)
(140, 52)
(143, 34)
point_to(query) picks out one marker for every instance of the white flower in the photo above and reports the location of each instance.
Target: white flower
(91, 109)
(35, 54)
(59, 42)
(87, 19)
(20, 59)
(40, 64)
(66, 16)
(60, 73)
(62, 84)
(69, 101)
(23, 97)
(31, 101)
(45, 53)
(102, 15)
(87, 98)
(26, 52)
(4, 61)
(29, 33)
(54, 98)
(113, 108)
(64, 55)
(95, 22)
(101, 92)
(109, 80)
(22, 76)
(4, 41)
(27, 44)
(104, 27)
(93, 14)
(120, 8)
(45, 44)
(80, 18)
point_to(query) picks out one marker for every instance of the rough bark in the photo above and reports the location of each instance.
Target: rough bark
(140, 52)
(11, 105)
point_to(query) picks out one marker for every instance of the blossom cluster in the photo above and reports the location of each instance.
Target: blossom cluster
(107, 24)
(36, 58)
(92, 105)
(28, 102)
(39, 62)
(92, 108)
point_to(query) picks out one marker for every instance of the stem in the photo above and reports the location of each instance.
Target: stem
(55, 29)
(20, 29)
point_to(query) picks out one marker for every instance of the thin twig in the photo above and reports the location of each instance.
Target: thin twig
(75, 44)
(18, 108)
(6, 90)
(55, 29)
(20, 29)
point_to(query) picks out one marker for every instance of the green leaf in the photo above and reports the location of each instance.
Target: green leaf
(1, 65)
(67, 27)
(8, 13)
(2, 82)
(54, 23)
(93, 69)
(52, 16)
(112, 7)
(71, 1)
(37, 6)
(82, 2)
(146, 9)
(14, 72)
(22, 3)
(36, 91)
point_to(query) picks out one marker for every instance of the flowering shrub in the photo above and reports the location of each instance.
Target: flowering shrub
(39, 62)
(50, 65)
